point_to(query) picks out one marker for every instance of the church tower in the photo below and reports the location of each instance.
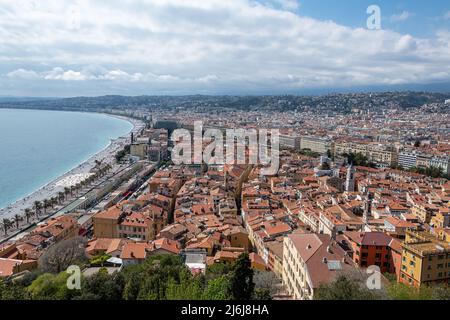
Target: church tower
(350, 181)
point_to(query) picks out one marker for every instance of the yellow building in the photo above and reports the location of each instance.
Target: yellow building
(425, 259)
(106, 223)
(424, 212)
(441, 219)
(373, 152)
(139, 150)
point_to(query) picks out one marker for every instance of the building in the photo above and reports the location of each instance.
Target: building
(425, 259)
(139, 149)
(310, 260)
(316, 144)
(106, 222)
(407, 159)
(371, 249)
(377, 153)
(350, 180)
(58, 229)
(290, 142)
(11, 267)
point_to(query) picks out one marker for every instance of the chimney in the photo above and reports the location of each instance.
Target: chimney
(325, 260)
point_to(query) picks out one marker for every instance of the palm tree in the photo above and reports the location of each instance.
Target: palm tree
(28, 214)
(17, 219)
(61, 197)
(78, 187)
(72, 189)
(6, 225)
(37, 207)
(54, 201)
(47, 204)
(67, 191)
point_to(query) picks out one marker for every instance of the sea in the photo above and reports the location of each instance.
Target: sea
(36, 146)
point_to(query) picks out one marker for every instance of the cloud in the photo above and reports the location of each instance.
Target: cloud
(290, 5)
(23, 74)
(198, 45)
(447, 15)
(405, 15)
(102, 74)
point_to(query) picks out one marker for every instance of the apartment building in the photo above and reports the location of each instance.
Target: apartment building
(425, 259)
(409, 159)
(290, 142)
(381, 154)
(310, 260)
(316, 144)
(371, 249)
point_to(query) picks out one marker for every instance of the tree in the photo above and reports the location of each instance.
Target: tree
(9, 290)
(400, 291)
(218, 289)
(149, 280)
(37, 207)
(17, 220)
(417, 143)
(102, 286)
(186, 288)
(51, 287)
(266, 285)
(218, 269)
(100, 260)
(28, 213)
(61, 197)
(345, 288)
(47, 204)
(241, 281)
(67, 191)
(6, 225)
(62, 255)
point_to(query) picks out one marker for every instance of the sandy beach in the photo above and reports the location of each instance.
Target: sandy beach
(73, 176)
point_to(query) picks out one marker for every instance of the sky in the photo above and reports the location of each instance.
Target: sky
(134, 47)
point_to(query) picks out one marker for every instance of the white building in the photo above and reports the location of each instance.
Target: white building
(310, 260)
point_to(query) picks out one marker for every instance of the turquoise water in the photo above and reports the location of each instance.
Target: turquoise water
(38, 146)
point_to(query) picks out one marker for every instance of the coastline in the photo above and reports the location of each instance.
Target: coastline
(51, 189)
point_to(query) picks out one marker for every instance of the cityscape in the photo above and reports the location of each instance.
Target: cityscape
(356, 188)
(332, 192)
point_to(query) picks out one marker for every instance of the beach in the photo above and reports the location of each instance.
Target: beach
(74, 176)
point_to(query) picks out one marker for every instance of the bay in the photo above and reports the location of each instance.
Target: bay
(37, 146)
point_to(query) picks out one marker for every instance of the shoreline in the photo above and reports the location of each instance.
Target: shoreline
(51, 189)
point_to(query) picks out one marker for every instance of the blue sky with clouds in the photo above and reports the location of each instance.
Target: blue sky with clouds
(95, 47)
(417, 17)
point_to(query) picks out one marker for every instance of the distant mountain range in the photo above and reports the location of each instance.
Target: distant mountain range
(336, 102)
